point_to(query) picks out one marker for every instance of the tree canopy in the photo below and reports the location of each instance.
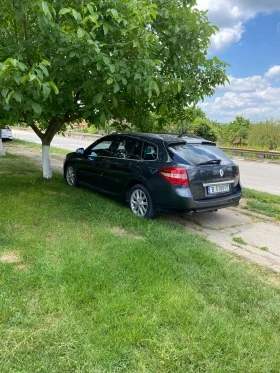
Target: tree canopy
(238, 130)
(265, 134)
(62, 61)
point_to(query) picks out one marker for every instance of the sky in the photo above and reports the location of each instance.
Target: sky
(249, 40)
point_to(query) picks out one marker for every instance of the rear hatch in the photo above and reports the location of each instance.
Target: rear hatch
(211, 173)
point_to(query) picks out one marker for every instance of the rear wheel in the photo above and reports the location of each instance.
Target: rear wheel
(140, 202)
(71, 175)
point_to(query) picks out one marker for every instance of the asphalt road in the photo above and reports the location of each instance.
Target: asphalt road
(262, 176)
(67, 143)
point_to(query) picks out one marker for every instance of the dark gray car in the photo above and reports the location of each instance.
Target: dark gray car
(157, 172)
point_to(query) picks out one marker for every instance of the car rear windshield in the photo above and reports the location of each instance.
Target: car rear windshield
(198, 154)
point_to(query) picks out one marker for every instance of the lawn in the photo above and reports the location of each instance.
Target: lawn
(87, 287)
(263, 203)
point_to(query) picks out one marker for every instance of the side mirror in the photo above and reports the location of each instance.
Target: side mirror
(80, 151)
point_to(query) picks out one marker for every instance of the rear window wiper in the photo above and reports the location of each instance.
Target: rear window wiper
(211, 161)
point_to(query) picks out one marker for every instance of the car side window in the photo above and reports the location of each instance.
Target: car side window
(149, 152)
(124, 148)
(102, 149)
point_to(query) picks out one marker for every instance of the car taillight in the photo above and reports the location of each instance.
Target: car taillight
(237, 176)
(175, 175)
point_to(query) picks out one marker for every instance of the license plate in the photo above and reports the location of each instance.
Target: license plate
(214, 189)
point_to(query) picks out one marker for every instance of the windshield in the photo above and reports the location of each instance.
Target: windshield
(196, 154)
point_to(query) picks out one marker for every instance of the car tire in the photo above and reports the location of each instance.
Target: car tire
(140, 202)
(71, 175)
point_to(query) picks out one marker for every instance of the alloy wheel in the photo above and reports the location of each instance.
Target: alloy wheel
(70, 176)
(139, 202)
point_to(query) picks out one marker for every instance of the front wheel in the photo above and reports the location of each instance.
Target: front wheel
(140, 202)
(71, 176)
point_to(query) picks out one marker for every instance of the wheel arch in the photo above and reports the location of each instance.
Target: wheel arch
(69, 162)
(131, 184)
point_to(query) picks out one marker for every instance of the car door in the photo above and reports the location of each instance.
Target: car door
(91, 166)
(118, 169)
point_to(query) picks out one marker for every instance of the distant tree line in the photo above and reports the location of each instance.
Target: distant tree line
(263, 134)
(192, 120)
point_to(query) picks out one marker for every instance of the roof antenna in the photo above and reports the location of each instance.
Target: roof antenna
(185, 131)
(182, 134)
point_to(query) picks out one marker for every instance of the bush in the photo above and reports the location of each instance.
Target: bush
(203, 127)
(265, 134)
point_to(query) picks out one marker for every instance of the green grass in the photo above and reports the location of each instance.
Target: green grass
(263, 203)
(239, 240)
(96, 289)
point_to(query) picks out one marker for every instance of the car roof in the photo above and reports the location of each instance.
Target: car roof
(168, 138)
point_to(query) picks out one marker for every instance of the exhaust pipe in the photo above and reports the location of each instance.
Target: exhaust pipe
(191, 212)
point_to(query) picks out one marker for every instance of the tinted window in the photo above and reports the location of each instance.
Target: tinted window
(125, 148)
(149, 152)
(198, 153)
(102, 149)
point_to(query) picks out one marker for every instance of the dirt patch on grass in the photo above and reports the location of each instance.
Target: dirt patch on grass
(9, 257)
(122, 232)
(53, 193)
(22, 267)
(35, 155)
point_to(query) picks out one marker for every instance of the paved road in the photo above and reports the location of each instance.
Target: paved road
(261, 176)
(62, 142)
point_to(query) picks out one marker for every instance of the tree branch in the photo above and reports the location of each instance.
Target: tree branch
(25, 28)
(37, 131)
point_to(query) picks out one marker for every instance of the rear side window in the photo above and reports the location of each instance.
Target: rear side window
(196, 154)
(145, 151)
(149, 152)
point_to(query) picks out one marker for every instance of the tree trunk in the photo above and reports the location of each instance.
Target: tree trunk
(2, 150)
(46, 162)
(54, 126)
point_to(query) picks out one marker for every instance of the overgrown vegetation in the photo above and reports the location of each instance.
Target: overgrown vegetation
(88, 287)
(263, 135)
(242, 132)
(263, 203)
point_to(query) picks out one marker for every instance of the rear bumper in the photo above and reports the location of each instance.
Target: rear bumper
(181, 199)
(7, 137)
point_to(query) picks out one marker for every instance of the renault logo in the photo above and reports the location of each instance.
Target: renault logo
(221, 173)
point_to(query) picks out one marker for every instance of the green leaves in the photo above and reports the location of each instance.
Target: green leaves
(18, 97)
(4, 92)
(37, 108)
(45, 8)
(105, 59)
(105, 28)
(81, 33)
(54, 87)
(63, 11)
(24, 87)
(46, 90)
(153, 87)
